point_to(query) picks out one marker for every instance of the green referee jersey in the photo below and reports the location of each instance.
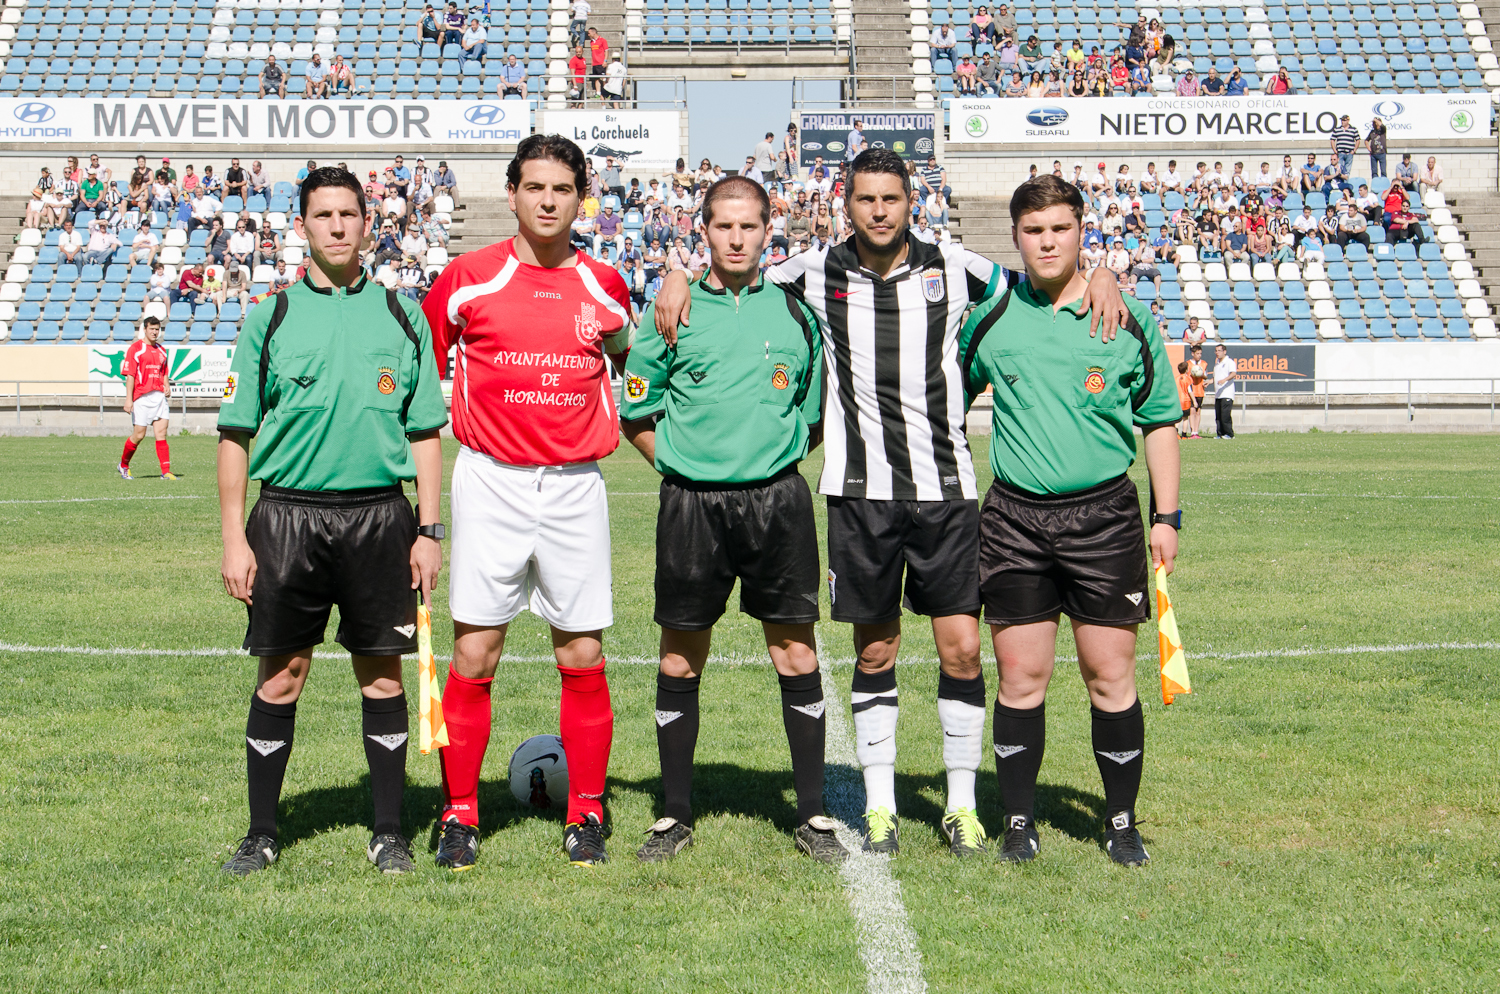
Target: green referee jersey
(739, 393)
(331, 382)
(1065, 403)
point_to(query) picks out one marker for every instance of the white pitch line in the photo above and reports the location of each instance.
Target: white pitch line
(887, 943)
(1267, 493)
(100, 500)
(88, 650)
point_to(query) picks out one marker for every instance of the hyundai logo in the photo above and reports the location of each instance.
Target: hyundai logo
(1388, 108)
(35, 113)
(485, 115)
(1047, 117)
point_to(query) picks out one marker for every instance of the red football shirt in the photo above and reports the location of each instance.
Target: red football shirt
(529, 388)
(148, 364)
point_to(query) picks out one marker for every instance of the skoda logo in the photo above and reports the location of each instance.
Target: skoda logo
(1461, 121)
(1047, 117)
(485, 115)
(1388, 108)
(35, 113)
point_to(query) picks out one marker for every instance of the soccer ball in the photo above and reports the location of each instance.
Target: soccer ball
(539, 772)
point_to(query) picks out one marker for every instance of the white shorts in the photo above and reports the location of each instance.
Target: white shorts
(149, 408)
(529, 536)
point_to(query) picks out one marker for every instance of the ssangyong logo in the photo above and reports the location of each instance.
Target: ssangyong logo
(1386, 109)
(1047, 117)
(35, 113)
(485, 115)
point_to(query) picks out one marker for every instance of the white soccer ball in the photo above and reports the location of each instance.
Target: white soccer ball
(539, 772)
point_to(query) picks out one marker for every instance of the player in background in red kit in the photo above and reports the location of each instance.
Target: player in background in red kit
(147, 389)
(532, 320)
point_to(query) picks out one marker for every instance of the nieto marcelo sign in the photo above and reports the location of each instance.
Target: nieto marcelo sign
(170, 123)
(1169, 121)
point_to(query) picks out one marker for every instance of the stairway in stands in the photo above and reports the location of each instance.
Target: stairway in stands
(480, 221)
(1478, 217)
(882, 48)
(983, 225)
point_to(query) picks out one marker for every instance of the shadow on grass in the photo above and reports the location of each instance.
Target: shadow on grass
(1076, 813)
(729, 789)
(301, 816)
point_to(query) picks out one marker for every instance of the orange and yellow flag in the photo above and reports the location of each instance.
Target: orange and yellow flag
(431, 729)
(1174, 671)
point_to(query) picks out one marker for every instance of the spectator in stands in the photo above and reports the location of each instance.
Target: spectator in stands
(936, 210)
(965, 80)
(1036, 87)
(1016, 88)
(1210, 241)
(101, 245)
(272, 78)
(1375, 141)
(1212, 85)
(432, 228)
(91, 191)
(241, 246)
(1007, 54)
(340, 77)
(986, 76)
(427, 27)
(217, 245)
(38, 210)
(205, 210)
(473, 43)
(260, 180)
(414, 245)
(161, 285)
(1368, 204)
(1187, 85)
(614, 81)
(144, 246)
(598, 59)
(578, 67)
(1344, 140)
(1143, 264)
(1406, 172)
(512, 79)
(166, 167)
(267, 246)
(933, 178)
(1328, 224)
(1334, 175)
(1261, 244)
(1312, 176)
(1430, 177)
(398, 177)
(387, 245)
(421, 191)
(69, 243)
(1236, 244)
(1278, 84)
(453, 25)
(235, 285)
(943, 41)
(1352, 227)
(189, 285)
(317, 78)
(303, 173)
(444, 182)
(190, 179)
(282, 278)
(211, 183)
(578, 21)
(236, 182)
(1304, 224)
(1310, 248)
(982, 28)
(1235, 85)
(1005, 22)
(411, 278)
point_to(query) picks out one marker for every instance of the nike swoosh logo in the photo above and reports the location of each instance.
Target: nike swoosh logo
(841, 294)
(878, 741)
(952, 736)
(547, 755)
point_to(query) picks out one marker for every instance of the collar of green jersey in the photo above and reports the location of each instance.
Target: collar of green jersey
(327, 291)
(1077, 308)
(756, 287)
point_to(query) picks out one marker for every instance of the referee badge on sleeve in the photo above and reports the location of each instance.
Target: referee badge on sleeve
(230, 384)
(934, 286)
(635, 387)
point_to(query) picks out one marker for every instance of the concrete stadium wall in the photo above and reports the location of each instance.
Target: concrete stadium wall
(996, 170)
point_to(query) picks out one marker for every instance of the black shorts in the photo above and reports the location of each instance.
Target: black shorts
(709, 534)
(1082, 554)
(1197, 402)
(317, 549)
(869, 541)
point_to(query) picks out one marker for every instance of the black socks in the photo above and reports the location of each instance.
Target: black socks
(268, 745)
(385, 730)
(1119, 743)
(802, 713)
(1020, 740)
(676, 739)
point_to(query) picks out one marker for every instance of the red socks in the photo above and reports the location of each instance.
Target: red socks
(466, 713)
(587, 726)
(164, 456)
(125, 456)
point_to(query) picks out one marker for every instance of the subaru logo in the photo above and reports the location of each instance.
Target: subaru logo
(35, 113)
(1388, 108)
(485, 115)
(1047, 117)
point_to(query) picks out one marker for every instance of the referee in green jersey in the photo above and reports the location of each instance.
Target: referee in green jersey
(725, 416)
(1060, 529)
(335, 378)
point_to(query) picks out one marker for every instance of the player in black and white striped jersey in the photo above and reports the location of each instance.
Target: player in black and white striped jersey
(897, 471)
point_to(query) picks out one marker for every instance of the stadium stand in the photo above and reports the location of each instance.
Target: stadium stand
(738, 24)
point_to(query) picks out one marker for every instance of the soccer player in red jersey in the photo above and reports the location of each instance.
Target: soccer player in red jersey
(147, 388)
(532, 320)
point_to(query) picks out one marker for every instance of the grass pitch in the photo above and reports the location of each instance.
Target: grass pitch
(1320, 821)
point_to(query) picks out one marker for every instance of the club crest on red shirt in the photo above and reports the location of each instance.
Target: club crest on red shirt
(587, 325)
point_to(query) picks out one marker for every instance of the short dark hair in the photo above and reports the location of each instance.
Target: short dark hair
(1044, 192)
(736, 188)
(318, 178)
(880, 160)
(152, 319)
(554, 147)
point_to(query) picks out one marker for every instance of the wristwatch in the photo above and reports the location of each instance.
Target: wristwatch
(1174, 519)
(431, 531)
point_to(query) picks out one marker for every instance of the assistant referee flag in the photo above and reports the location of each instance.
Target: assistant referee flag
(1174, 671)
(432, 730)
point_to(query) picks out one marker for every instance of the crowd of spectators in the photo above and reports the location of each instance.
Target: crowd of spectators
(1007, 65)
(245, 218)
(1267, 215)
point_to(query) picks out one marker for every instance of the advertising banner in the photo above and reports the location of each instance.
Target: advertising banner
(643, 142)
(261, 124)
(1168, 121)
(195, 370)
(1273, 368)
(908, 133)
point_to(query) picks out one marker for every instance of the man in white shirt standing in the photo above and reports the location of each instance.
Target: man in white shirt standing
(1225, 373)
(855, 140)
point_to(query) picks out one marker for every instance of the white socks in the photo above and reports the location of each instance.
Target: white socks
(873, 697)
(961, 713)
